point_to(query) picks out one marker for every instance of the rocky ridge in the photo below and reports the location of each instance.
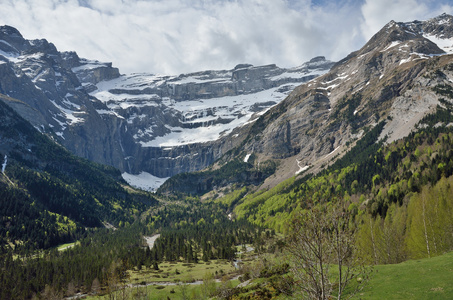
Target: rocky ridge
(181, 123)
(36, 81)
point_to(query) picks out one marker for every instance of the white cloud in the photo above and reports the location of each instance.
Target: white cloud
(377, 13)
(176, 36)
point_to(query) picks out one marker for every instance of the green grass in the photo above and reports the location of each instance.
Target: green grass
(67, 246)
(167, 274)
(180, 272)
(155, 292)
(430, 278)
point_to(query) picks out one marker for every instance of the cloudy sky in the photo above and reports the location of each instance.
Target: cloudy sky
(179, 36)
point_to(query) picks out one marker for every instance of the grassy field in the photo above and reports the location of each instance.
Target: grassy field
(180, 280)
(416, 279)
(67, 246)
(176, 280)
(181, 272)
(158, 292)
(430, 278)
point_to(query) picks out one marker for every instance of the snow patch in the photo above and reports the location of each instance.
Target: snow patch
(301, 168)
(69, 114)
(191, 79)
(393, 44)
(144, 181)
(246, 159)
(295, 75)
(235, 109)
(4, 164)
(332, 152)
(444, 44)
(150, 240)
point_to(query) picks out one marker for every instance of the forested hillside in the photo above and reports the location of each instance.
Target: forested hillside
(50, 196)
(190, 232)
(399, 194)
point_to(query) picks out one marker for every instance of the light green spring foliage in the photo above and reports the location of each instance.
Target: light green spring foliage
(430, 220)
(388, 193)
(421, 228)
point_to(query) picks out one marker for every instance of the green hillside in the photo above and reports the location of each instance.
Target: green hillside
(428, 278)
(49, 196)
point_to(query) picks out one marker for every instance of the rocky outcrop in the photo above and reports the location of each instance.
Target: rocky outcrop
(166, 125)
(38, 82)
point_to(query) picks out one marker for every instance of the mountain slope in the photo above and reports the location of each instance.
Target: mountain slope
(391, 78)
(52, 98)
(386, 78)
(50, 196)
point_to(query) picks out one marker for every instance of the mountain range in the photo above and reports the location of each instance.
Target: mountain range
(152, 125)
(157, 126)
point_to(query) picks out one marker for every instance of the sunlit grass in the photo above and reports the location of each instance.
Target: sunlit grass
(429, 278)
(181, 272)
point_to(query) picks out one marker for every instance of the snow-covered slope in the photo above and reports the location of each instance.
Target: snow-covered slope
(199, 107)
(165, 125)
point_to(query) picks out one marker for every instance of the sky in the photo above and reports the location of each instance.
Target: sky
(180, 36)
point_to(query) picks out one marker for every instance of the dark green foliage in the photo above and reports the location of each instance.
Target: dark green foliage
(442, 115)
(199, 229)
(49, 196)
(100, 255)
(235, 171)
(30, 223)
(188, 231)
(363, 149)
(444, 90)
(346, 107)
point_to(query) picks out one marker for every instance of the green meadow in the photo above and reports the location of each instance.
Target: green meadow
(429, 278)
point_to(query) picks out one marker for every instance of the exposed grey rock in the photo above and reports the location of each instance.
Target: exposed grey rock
(169, 118)
(166, 125)
(39, 84)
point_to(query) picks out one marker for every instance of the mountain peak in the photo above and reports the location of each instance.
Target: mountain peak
(9, 31)
(13, 42)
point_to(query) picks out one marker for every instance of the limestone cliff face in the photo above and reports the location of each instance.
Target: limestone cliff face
(302, 117)
(37, 81)
(174, 124)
